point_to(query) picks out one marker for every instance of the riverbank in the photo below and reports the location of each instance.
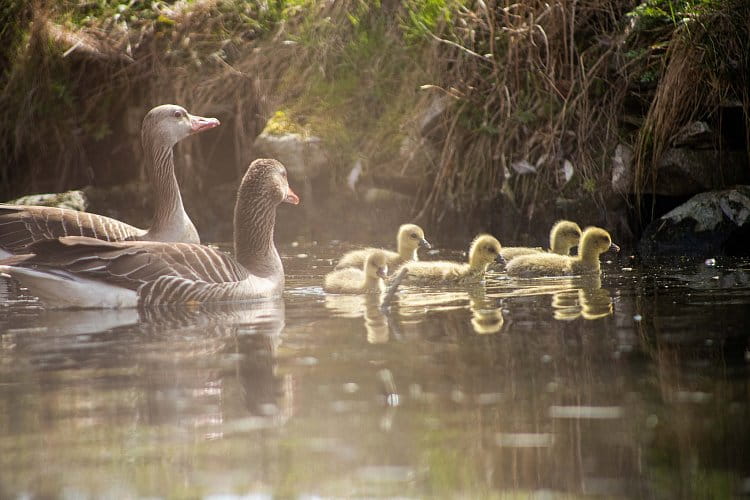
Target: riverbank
(463, 116)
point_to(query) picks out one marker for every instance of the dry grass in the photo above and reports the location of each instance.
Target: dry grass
(532, 81)
(74, 97)
(707, 66)
(536, 81)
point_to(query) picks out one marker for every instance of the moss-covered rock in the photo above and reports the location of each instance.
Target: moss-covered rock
(708, 224)
(74, 200)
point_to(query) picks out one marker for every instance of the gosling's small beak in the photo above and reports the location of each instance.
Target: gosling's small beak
(614, 247)
(500, 259)
(199, 123)
(423, 243)
(291, 197)
(382, 272)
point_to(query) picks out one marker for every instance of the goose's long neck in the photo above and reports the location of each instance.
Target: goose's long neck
(171, 222)
(405, 252)
(254, 221)
(589, 257)
(559, 246)
(476, 265)
(371, 282)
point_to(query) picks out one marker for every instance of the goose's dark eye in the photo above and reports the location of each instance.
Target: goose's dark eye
(414, 235)
(178, 113)
(490, 249)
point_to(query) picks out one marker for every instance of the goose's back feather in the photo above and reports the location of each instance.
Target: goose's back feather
(542, 264)
(438, 271)
(356, 258)
(21, 226)
(509, 253)
(157, 272)
(350, 280)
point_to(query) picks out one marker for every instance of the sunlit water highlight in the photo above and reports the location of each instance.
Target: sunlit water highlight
(632, 385)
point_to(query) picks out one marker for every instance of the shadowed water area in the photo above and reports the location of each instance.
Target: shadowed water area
(634, 385)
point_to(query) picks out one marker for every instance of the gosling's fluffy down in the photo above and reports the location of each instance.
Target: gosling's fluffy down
(594, 241)
(484, 250)
(563, 236)
(366, 280)
(410, 238)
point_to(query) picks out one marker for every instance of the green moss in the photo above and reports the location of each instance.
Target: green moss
(653, 14)
(282, 122)
(422, 17)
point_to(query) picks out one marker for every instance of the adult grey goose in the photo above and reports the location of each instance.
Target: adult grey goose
(163, 127)
(76, 271)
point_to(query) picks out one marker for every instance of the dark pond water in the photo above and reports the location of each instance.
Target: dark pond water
(632, 386)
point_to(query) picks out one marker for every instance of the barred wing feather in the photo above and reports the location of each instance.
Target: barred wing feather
(159, 272)
(21, 226)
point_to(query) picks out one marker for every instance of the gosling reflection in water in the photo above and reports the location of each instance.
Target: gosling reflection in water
(377, 324)
(486, 316)
(590, 301)
(580, 296)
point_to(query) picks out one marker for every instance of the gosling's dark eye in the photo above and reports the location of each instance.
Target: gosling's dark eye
(414, 235)
(490, 249)
(178, 113)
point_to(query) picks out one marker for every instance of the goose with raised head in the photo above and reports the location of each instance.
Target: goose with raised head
(594, 242)
(563, 236)
(76, 271)
(484, 250)
(410, 238)
(366, 280)
(163, 127)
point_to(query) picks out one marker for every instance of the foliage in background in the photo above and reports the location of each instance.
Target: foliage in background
(534, 91)
(705, 66)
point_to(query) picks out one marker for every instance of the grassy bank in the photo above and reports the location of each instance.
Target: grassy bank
(535, 95)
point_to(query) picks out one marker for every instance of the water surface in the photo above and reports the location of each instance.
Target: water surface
(634, 385)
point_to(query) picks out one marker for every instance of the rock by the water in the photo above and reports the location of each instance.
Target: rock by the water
(684, 172)
(708, 224)
(303, 157)
(622, 169)
(74, 200)
(697, 135)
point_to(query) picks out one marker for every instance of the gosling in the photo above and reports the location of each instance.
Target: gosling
(359, 281)
(594, 241)
(410, 238)
(563, 236)
(484, 250)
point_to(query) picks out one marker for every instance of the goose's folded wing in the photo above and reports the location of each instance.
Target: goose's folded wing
(21, 226)
(132, 264)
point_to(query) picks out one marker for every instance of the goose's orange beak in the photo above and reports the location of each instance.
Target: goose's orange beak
(199, 123)
(291, 197)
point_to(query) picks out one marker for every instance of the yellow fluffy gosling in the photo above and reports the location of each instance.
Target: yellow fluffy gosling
(485, 249)
(410, 238)
(594, 241)
(366, 280)
(563, 236)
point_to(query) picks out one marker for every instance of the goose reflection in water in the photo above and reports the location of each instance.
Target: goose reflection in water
(377, 324)
(220, 355)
